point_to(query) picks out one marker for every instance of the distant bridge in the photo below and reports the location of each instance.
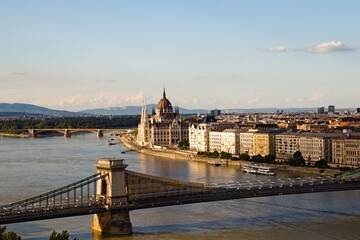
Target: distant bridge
(113, 191)
(34, 132)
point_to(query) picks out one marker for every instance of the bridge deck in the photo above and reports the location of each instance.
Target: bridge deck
(20, 212)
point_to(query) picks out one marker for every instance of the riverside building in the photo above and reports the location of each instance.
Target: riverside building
(164, 128)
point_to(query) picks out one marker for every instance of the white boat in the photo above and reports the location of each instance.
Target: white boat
(215, 163)
(111, 142)
(258, 169)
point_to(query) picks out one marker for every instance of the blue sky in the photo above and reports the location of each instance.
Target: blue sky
(222, 54)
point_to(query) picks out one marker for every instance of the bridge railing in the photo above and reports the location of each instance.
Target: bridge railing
(240, 186)
(75, 194)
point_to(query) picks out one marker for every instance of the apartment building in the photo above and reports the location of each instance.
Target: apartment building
(199, 137)
(264, 143)
(286, 145)
(247, 142)
(230, 141)
(316, 146)
(215, 140)
(346, 150)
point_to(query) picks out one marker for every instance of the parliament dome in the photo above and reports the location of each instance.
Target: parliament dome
(164, 105)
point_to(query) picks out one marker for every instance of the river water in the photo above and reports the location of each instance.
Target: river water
(32, 166)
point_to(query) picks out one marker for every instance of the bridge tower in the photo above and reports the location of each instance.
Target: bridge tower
(112, 191)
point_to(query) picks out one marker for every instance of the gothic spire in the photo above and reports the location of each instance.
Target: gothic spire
(164, 94)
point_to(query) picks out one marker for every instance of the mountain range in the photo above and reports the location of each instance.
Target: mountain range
(7, 109)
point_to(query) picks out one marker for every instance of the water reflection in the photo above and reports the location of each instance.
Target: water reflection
(32, 166)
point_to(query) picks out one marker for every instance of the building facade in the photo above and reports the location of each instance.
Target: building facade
(230, 141)
(315, 146)
(346, 151)
(247, 142)
(215, 140)
(286, 145)
(264, 143)
(164, 127)
(199, 137)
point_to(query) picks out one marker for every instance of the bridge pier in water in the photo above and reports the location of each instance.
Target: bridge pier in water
(100, 133)
(67, 133)
(112, 191)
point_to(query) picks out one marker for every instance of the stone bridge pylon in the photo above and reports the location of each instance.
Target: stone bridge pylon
(111, 191)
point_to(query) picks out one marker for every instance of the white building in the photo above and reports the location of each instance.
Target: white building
(215, 140)
(199, 137)
(230, 141)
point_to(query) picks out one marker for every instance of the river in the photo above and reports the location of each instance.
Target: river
(32, 166)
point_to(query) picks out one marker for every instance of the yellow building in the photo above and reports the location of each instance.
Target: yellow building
(264, 143)
(346, 151)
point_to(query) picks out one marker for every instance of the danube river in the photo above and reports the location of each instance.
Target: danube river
(32, 166)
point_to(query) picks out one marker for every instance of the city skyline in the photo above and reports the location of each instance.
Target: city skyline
(214, 54)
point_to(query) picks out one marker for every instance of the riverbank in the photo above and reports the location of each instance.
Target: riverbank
(13, 135)
(191, 156)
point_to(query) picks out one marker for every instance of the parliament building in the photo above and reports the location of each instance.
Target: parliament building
(164, 128)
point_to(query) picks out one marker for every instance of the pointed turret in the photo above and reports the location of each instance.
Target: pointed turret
(144, 113)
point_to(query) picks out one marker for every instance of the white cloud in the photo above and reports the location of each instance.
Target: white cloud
(101, 99)
(328, 47)
(253, 101)
(316, 97)
(274, 49)
(294, 100)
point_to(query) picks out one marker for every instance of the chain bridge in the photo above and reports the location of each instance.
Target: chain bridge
(114, 191)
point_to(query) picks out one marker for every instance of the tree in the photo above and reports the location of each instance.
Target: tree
(64, 235)
(8, 235)
(244, 157)
(225, 155)
(269, 158)
(257, 158)
(183, 144)
(297, 159)
(322, 163)
(215, 154)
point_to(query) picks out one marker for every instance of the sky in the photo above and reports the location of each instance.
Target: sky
(76, 55)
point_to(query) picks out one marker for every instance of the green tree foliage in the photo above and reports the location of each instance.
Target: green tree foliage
(4, 235)
(270, 158)
(321, 164)
(71, 122)
(64, 235)
(225, 155)
(244, 157)
(183, 144)
(296, 160)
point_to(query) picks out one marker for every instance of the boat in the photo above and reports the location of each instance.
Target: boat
(215, 163)
(111, 142)
(258, 169)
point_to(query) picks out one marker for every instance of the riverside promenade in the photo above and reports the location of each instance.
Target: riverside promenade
(192, 156)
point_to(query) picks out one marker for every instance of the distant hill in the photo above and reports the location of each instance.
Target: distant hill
(33, 109)
(18, 109)
(135, 110)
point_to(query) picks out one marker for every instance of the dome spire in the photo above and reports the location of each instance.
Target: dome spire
(164, 94)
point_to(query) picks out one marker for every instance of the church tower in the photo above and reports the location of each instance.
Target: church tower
(143, 127)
